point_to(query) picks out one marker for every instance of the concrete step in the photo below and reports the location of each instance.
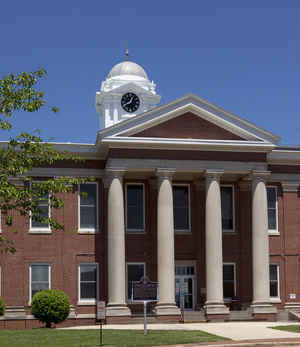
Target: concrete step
(193, 317)
(240, 315)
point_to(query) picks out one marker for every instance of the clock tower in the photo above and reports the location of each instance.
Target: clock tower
(125, 93)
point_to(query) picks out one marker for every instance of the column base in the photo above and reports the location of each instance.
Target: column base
(216, 312)
(264, 311)
(116, 314)
(167, 312)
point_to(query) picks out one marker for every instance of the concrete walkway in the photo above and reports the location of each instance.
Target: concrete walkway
(236, 331)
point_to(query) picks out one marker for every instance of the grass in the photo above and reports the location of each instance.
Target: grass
(90, 338)
(290, 328)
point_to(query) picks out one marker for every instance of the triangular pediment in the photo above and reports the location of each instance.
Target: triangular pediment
(188, 119)
(188, 126)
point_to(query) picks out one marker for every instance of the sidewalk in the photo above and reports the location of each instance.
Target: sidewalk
(242, 333)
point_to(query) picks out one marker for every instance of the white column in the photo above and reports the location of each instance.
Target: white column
(165, 246)
(260, 246)
(213, 242)
(116, 246)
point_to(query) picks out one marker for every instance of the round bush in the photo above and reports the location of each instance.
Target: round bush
(50, 306)
(2, 307)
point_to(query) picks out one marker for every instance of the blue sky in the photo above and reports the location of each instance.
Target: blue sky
(240, 55)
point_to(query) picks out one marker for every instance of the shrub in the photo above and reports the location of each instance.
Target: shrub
(50, 306)
(2, 307)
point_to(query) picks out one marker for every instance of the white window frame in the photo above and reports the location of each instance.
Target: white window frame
(184, 231)
(144, 209)
(234, 276)
(133, 263)
(273, 231)
(87, 302)
(276, 299)
(40, 230)
(30, 279)
(89, 230)
(233, 207)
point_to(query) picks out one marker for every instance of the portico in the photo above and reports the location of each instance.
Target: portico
(211, 179)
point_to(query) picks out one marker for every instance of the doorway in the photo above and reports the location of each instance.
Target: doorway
(185, 287)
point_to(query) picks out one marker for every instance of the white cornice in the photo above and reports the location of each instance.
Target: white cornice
(70, 172)
(197, 166)
(187, 144)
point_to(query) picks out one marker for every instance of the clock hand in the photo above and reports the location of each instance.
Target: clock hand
(129, 102)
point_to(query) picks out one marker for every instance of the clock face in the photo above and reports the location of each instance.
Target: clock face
(130, 102)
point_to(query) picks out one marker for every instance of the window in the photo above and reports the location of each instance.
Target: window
(88, 206)
(272, 208)
(135, 220)
(35, 220)
(39, 278)
(181, 202)
(229, 280)
(227, 208)
(135, 271)
(274, 281)
(88, 275)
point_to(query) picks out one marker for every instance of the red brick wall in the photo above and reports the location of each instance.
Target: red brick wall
(188, 126)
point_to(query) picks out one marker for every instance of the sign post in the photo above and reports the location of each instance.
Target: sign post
(101, 318)
(144, 291)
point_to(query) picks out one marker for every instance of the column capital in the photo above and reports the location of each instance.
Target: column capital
(260, 176)
(213, 174)
(162, 174)
(110, 174)
(290, 186)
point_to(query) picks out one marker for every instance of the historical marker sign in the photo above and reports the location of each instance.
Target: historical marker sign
(144, 290)
(101, 310)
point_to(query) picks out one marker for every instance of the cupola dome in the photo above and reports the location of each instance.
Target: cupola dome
(128, 68)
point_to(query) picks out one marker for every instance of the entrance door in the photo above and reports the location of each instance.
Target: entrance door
(185, 287)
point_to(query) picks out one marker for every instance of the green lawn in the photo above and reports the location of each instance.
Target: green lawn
(90, 338)
(291, 328)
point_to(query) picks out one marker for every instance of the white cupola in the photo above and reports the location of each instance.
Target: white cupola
(125, 93)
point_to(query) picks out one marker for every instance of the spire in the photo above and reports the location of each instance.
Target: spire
(127, 53)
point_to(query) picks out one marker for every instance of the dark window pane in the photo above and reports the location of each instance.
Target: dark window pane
(88, 217)
(88, 273)
(273, 273)
(134, 273)
(272, 223)
(228, 289)
(181, 207)
(227, 208)
(88, 290)
(273, 289)
(89, 195)
(228, 272)
(271, 194)
(36, 287)
(135, 207)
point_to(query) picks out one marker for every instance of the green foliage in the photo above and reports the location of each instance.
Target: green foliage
(2, 307)
(50, 306)
(23, 153)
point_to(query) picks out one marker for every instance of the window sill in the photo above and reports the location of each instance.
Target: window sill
(274, 233)
(135, 231)
(86, 303)
(82, 231)
(40, 231)
(182, 232)
(275, 300)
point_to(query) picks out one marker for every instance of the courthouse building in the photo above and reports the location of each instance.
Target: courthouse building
(189, 195)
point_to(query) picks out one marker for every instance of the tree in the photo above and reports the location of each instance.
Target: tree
(24, 152)
(50, 306)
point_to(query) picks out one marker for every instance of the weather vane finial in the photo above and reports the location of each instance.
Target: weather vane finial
(127, 53)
